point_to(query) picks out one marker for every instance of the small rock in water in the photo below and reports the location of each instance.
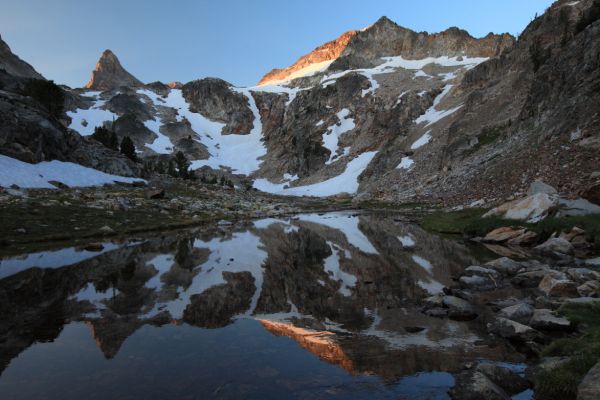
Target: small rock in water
(106, 229)
(94, 247)
(157, 194)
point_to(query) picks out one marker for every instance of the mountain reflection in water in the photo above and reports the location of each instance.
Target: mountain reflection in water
(210, 314)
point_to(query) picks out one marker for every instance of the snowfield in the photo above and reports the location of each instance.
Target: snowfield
(25, 175)
(84, 121)
(346, 182)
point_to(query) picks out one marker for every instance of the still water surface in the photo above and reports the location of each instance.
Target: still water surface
(311, 307)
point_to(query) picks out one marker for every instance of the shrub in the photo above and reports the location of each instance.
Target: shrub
(47, 93)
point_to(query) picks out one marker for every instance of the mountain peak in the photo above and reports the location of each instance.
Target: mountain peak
(109, 74)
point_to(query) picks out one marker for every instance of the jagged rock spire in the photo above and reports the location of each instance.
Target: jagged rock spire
(110, 74)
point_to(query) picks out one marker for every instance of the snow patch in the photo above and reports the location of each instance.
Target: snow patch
(405, 163)
(332, 135)
(24, 175)
(423, 140)
(84, 121)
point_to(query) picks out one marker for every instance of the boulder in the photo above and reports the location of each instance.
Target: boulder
(503, 234)
(530, 279)
(521, 312)
(526, 238)
(553, 287)
(577, 207)
(481, 271)
(555, 245)
(538, 186)
(592, 194)
(592, 262)
(545, 320)
(589, 388)
(475, 385)
(583, 274)
(477, 282)
(459, 309)
(589, 289)
(504, 265)
(532, 208)
(512, 330)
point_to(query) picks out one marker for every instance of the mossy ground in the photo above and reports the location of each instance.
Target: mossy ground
(583, 350)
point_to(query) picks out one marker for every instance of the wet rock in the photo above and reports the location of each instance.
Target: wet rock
(589, 388)
(521, 312)
(512, 330)
(545, 320)
(459, 309)
(504, 265)
(555, 245)
(507, 380)
(558, 287)
(589, 289)
(475, 385)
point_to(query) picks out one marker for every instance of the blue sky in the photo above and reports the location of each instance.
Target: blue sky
(236, 40)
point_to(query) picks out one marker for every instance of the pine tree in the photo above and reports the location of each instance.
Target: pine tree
(106, 137)
(171, 169)
(182, 165)
(47, 93)
(128, 148)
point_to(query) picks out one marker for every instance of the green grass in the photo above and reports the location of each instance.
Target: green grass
(464, 222)
(583, 350)
(384, 205)
(470, 222)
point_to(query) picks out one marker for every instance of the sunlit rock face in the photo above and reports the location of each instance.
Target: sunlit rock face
(109, 74)
(347, 287)
(312, 62)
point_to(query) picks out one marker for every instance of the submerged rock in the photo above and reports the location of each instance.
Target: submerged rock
(475, 385)
(513, 330)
